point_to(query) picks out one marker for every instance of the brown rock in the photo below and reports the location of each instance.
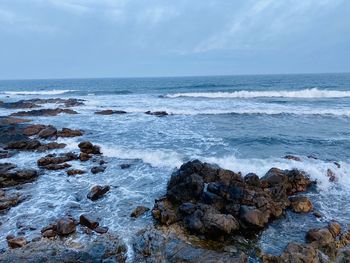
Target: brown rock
(65, 226)
(50, 233)
(300, 204)
(320, 235)
(44, 112)
(98, 169)
(88, 221)
(84, 157)
(89, 148)
(16, 242)
(292, 157)
(65, 132)
(48, 132)
(331, 175)
(33, 129)
(138, 211)
(97, 192)
(101, 230)
(75, 172)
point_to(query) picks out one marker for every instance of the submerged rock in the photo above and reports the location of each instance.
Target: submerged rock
(110, 112)
(157, 113)
(97, 192)
(138, 211)
(53, 159)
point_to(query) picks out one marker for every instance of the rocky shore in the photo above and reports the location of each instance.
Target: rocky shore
(208, 214)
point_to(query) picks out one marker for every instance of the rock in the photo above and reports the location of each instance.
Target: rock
(16, 242)
(44, 112)
(24, 145)
(50, 233)
(331, 175)
(300, 204)
(54, 159)
(98, 169)
(5, 154)
(65, 132)
(97, 192)
(65, 226)
(125, 166)
(253, 217)
(319, 235)
(101, 230)
(8, 120)
(252, 179)
(155, 246)
(292, 157)
(84, 157)
(33, 129)
(75, 172)
(165, 212)
(138, 211)
(11, 176)
(88, 148)
(48, 132)
(6, 202)
(335, 228)
(110, 112)
(22, 104)
(88, 221)
(54, 167)
(157, 113)
(50, 146)
(317, 214)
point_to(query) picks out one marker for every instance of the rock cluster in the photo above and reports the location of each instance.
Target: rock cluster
(214, 202)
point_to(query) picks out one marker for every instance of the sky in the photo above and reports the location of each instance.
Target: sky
(140, 38)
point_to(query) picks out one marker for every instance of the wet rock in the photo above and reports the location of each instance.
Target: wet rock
(154, 246)
(48, 132)
(16, 242)
(335, 228)
(110, 112)
(8, 120)
(65, 226)
(5, 154)
(84, 157)
(88, 221)
(50, 146)
(50, 233)
(55, 167)
(331, 175)
(66, 133)
(75, 172)
(44, 112)
(317, 214)
(253, 217)
(125, 166)
(138, 211)
(33, 129)
(11, 176)
(6, 202)
(101, 230)
(28, 145)
(165, 212)
(157, 113)
(98, 169)
(319, 235)
(252, 179)
(97, 192)
(300, 204)
(88, 148)
(21, 104)
(292, 157)
(106, 248)
(53, 159)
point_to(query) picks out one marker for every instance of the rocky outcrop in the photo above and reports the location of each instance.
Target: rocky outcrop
(110, 112)
(34, 145)
(215, 202)
(48, 132)
(44, 112)
(33, 129)
(35, 103)
(11, 176)
(56, 162)
(16, 242)
(88, 148)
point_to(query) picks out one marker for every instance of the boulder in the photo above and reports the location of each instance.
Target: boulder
(16, 242)
(65, 226)
(54, 159)
(48, 132)
(88, 148)
(11, 176)
(33, 129)
(97, 192)
(98, 169)
(65, 132)
(88, 221)
(300, 204)
(138, 211)
(84, 157)
(75, 172)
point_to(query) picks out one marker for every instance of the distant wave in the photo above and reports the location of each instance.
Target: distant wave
(305, 93)
(42, 92)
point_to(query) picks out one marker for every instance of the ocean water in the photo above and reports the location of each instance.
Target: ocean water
(243, 123)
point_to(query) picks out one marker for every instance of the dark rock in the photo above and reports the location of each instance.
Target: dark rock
(110, 112)
(319, 235)
(33, 129)
(65, 226)
(292, 157)
(65, 132)
(253, 217)
(44, 112)
(97, 192)
(331, 175)
(125, 166)
(54, 167)
(157, 113)
(317, 214)
(138, 211)
(165, 212)
(300, 204)
(88, 148)
(16, 242)
(6, 202)
(48, 132)
(24, 145)
(101, 229)
(54, 159)
(50, 146)
(84, 157)
(75, 172)
(9, 176)
(252, 179)
(88, 221)
(98, 169)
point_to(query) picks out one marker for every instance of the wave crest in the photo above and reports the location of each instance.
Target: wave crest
(42, 92)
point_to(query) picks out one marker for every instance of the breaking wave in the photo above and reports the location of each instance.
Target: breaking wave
(42, 92)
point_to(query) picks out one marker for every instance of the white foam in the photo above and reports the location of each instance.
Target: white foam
(154, 157)
(305, 93)
(46, 92)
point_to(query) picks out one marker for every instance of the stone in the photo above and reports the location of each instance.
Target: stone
(110, 112)
(300, 204)
(88, 148)
(125, 166)
(138, 211)
(157, 113)
(75, 172)
(97, 192)
(48, 132)
(88, 221)
(98, 169)
(44, 112)
(68, 133)
(33, 129)
(331, 175)
(84, 157)
(292, 157)
(101, 229)
(16, 242)
(65, 226)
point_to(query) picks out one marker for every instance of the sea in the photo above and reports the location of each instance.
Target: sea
(242, 123)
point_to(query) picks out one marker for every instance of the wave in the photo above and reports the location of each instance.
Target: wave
(46, 92)
(305, 93)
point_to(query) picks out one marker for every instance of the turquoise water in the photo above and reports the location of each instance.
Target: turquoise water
(243, 123)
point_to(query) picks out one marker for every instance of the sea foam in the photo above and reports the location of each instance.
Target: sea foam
(305, 93)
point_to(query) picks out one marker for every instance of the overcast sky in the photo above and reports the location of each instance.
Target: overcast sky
(127, 38)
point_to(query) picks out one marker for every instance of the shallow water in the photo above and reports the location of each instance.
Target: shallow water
(243, 123)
